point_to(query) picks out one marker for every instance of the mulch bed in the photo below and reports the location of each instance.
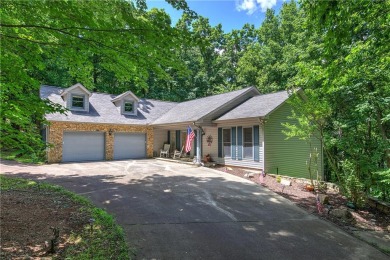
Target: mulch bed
(363, 219)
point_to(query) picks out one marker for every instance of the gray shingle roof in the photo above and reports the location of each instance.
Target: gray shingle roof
(193, 110)
(103, 110)
(258, 106)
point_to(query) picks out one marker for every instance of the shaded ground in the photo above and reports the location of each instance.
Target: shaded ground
(363, 219)
(27, 217)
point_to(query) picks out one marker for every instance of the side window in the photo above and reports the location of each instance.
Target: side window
(248, 143)
(227, 143)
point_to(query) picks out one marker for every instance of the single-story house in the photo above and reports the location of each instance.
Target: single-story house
(238, 128)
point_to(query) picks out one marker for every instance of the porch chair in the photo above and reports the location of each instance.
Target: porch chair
(177, 153)
(165, 150)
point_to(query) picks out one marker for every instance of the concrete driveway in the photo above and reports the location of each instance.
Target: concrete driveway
(176, 211)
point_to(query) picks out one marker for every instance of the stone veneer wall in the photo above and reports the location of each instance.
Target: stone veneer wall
(56, 130)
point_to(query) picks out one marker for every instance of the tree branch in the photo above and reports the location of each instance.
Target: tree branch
(25, 39)
(74, 28)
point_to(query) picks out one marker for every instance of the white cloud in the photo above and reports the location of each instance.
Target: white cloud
(250, 6)
(266, 4)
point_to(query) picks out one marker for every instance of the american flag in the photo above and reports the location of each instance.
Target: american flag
(190, 137)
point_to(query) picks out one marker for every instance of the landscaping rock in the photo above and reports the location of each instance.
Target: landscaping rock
(285, 182)
(249, 175)
(324, 199)
(342, 213)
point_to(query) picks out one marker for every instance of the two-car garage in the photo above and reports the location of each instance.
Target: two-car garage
(91, 146)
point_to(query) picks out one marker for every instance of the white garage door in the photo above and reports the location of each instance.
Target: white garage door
(129, 146)
(83, 146)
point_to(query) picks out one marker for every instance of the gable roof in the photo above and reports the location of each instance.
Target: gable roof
(77, 85)
(121, 96)
(197, 109)
(103, 110)
(258, 106)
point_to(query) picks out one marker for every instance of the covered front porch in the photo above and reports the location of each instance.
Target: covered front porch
(175, 136)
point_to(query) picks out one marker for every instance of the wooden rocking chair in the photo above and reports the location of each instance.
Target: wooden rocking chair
(177, 153)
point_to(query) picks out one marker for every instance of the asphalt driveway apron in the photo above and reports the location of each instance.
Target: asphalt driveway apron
(175, 211)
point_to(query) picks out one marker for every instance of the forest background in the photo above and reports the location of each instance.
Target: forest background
(337, 52)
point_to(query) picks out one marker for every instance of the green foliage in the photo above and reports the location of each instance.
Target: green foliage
(7, 183)
(107, 239)
(20, 156)
(380, 187)
(351, 185)
(346, 84)
(270, 62)
(102, 239)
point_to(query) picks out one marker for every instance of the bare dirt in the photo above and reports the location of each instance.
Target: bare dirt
(26, 221)
(366, 218)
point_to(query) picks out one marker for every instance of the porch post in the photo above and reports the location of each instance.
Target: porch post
(198, 146)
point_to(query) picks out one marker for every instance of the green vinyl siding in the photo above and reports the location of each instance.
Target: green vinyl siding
(286, 156)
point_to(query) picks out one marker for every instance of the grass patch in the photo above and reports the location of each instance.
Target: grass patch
(102, 238)
(20, 157)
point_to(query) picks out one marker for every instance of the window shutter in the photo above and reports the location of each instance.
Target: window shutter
(256, 156)
(178, 144)
(233, 143)
(195, 142)
(169, 137)
(219, 142)
(239, 143)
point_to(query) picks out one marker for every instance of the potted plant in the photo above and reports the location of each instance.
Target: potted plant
(207, 158)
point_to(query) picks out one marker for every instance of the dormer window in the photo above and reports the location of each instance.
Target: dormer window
(128, 107)
(77, 98)
(127, 103)
(78, 102)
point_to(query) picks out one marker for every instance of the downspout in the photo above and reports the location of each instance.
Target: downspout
(262, 121)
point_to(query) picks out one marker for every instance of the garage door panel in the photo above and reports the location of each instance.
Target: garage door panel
(83, 146)
(129, 146)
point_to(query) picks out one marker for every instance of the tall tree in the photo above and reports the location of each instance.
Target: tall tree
(88, 40)
(270, 62)
(350, 78)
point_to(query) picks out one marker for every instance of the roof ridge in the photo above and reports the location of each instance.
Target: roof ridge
(215, 95)
(276, 92)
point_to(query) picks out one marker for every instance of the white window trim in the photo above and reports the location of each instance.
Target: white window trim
(243, 144)
(84, 108)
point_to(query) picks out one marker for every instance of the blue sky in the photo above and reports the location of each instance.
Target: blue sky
(232, 14)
